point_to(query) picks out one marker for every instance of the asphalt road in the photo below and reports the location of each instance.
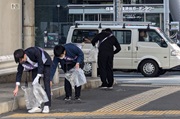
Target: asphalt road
(131, 98)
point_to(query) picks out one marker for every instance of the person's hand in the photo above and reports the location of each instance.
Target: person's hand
(16, 90)
(51, 84)
(36, 80)
(77, 66)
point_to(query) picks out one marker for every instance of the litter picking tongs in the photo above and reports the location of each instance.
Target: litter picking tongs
(26, 85)
(13, 103)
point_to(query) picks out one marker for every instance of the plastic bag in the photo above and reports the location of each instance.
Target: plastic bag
(92, 56)
(70, 77)
(30, 99)
(76, 77)
(40, 94)
(81, 77)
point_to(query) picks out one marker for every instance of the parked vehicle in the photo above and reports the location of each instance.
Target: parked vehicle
(152, 57)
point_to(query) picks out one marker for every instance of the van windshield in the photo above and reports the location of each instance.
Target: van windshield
(170, 40)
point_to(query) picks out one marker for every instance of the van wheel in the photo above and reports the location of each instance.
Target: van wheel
(149, 68)
(87, 69)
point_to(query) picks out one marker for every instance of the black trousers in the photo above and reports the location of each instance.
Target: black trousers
(67, 85)
(46, 79)
(105, 64)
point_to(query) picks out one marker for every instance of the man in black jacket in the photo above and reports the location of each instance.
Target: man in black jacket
(105, 56)
(39, 62)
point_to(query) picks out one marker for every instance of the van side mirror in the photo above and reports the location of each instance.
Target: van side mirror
(163, 43)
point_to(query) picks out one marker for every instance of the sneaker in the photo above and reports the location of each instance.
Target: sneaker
(110, 88)
(46, 109)
(67, 99)
(103, 87)
(34, 110)
(77, 99)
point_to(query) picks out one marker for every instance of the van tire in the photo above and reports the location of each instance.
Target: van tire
(87, 69)
(149, 68)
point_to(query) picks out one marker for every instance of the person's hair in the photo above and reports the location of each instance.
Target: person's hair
(108, 30)
(58, 50)
(18, 54)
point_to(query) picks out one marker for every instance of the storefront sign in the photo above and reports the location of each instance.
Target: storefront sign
(134, 9)
(138, 9)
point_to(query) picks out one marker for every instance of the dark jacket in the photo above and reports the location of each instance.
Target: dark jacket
(73, 52)
(106, 46)
(35, 55)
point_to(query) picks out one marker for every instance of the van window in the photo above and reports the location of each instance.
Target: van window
(151, 36)
(123, 36)
(83, 35)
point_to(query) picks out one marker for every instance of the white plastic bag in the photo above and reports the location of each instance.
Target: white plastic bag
(30, 99)
(92, 55)
(40, 94)
(70, 77)
(81, 77)
(76, 77)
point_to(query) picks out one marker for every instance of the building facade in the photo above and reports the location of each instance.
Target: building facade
(53, 18)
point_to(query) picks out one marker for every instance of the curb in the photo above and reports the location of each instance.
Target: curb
(19, 102)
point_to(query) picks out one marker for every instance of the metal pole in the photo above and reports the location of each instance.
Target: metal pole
(58, 6)
(115, 10)
(166, 17)
(83, 13)
(119, 10)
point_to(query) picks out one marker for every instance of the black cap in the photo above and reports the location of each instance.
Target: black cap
(18, 54)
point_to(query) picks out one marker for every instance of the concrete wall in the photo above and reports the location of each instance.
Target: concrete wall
(29, 23)
(11, 26)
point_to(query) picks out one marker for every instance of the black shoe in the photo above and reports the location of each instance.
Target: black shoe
(77, 99)
(110, 88)
(67, 99)
(103, 87)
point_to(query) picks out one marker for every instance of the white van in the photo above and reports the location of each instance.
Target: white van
(152, 57)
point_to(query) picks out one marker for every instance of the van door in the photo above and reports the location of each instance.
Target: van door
(82, 38)
(123, 59)
(150, 46)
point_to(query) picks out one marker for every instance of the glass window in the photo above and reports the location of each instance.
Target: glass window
(81, 35)
(106, 17)
(133, 17)
(91, 17)
(155, 18)
(142, 1)
(151, 36)
(123, 36)
(75, 17)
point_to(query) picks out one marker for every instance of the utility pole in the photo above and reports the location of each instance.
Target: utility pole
(166, 17)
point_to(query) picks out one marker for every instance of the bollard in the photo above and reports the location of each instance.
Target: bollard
(94, 69)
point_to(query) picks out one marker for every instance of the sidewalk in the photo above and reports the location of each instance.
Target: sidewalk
(7, 98)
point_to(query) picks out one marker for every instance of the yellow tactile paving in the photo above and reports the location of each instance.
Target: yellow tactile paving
(121, 107)
(86, 114)
(139, 100)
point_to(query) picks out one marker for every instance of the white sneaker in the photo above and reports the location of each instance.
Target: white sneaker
(46, 109)
(34, 110)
